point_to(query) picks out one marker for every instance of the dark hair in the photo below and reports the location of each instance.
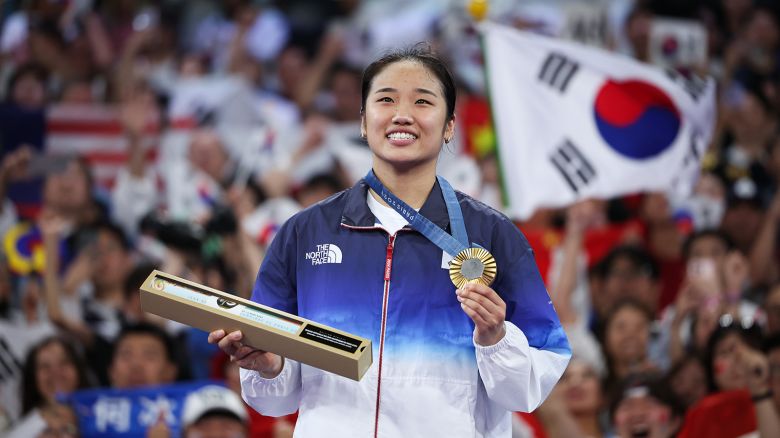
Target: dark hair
(116, 232)
(146, 329)
(83, 166)
(754, 89)
(680, 364)
(746, 328)
(343, 67)
(136, 277)
(771, 343)
(216, 263)
(637, 255)
(220, 413)
(701, 234)
(35, 70)
(327, 181)
(421, 54)
(31, 394)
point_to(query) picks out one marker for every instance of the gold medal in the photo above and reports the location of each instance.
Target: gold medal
(473, 265)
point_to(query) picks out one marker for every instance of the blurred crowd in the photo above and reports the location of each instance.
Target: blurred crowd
(179, 135)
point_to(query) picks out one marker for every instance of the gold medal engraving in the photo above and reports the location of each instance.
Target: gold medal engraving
(473, 265)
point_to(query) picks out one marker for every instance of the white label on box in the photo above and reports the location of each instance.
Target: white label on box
(256, 315)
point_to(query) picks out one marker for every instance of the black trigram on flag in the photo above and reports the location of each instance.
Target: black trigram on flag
(694, 85)
(693, 155)
(573, 166)
(557, 71)
(9, 365)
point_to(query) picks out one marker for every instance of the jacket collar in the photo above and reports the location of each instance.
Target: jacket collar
(356, 212)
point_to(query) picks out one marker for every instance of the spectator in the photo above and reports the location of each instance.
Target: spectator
(688, 380)
(266, 32)
(191, 189)
(626, 340)
(133, 314)
(723, 357)
(643, 406)
(27, 88)
(102, 264)
(260, 426)
(53, 369)
(570, 293)
(67, 193)
(637, 29)
(627, 272)
(25, 327)
(22, 128)
(738, 375)
(574, 406)
(744, 214)
(148, 55)
(762, 35)
(714, 284)
(143, 356)
(663, 239)
(214, 412)
(208, 154)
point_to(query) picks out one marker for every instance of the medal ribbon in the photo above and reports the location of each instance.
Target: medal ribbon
(451, 244)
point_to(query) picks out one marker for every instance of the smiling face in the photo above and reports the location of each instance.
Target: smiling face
(405, 118)
(728, 374)
(643, 416)
(55, 372)
(581, 388)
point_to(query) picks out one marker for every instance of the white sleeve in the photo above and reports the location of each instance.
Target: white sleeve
(273, 397)
(517, 376)
(132, 198)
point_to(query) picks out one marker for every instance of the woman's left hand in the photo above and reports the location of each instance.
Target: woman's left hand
(488, 311)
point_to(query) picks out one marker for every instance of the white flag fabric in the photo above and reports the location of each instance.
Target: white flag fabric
(576, 122)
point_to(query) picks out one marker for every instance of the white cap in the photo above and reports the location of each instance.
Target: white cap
(210, 399)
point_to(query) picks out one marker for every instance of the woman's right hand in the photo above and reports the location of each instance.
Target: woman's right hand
(269, 365)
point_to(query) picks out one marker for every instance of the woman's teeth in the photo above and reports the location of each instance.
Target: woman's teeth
(401, 136)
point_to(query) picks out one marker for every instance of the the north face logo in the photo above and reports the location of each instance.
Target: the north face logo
(325, 253)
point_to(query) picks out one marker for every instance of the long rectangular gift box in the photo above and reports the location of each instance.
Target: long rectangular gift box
(263, 327)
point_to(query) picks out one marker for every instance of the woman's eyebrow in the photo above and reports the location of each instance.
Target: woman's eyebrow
(393, 90)
(425, 91)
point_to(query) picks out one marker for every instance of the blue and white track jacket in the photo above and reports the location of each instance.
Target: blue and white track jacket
(331, 264)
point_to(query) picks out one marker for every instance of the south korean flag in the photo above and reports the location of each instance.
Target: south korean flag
(576, 122)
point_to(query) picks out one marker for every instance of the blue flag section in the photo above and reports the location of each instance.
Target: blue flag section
(129, 413)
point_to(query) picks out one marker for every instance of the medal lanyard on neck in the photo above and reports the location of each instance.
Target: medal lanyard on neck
(451, 244)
